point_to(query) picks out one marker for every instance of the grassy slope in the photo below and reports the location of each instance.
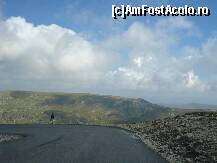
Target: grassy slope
(36, 107)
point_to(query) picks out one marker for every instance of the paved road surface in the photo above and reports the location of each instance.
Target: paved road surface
(74, 144)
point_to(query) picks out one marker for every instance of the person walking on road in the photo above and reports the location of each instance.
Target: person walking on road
(52, 118)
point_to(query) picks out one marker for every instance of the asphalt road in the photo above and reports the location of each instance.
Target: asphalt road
(74, 144)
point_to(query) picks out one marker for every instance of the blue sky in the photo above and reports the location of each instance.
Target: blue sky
(162, 59)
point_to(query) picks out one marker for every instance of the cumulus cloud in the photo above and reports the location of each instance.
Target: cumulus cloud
(157, 62)
(49, 53)
(192, 81)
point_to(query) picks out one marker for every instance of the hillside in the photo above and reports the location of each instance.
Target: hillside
(187, 138)
(36, 107)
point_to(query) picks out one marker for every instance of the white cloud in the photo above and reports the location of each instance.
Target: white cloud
(156, 61)
(192, 81)
(178, 24)
(48, 52)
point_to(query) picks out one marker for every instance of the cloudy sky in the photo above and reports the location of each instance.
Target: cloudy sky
(76, 46)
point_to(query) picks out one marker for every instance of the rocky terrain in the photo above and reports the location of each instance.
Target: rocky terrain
(8, 137)
(191, 137)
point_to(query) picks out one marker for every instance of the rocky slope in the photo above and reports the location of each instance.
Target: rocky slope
(187, 138)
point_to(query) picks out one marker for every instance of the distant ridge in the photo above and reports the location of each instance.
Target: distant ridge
(193, 106)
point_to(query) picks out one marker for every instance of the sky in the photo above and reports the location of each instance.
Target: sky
(76, 46)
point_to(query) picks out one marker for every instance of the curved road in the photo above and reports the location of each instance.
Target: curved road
(74, 144)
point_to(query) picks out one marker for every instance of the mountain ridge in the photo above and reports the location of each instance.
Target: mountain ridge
(36, 107)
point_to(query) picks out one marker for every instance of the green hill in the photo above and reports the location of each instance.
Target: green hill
(36, 107)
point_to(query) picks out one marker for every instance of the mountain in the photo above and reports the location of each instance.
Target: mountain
(36, 107)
